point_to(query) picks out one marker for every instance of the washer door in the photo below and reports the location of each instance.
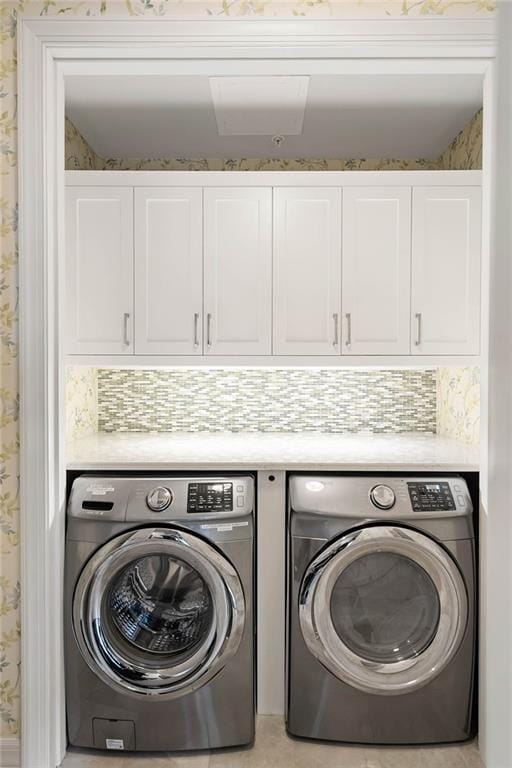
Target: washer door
(158, 612)
(384, 608)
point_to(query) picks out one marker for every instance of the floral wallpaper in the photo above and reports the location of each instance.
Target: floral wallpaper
(9, 439)
(465, 151)
(81, 400)
(268, 164)
(79, 155)
(458, 404)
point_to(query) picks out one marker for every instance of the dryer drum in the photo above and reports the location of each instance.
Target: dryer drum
(158, 612)
(384, 609)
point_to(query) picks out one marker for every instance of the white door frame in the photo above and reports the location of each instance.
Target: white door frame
(50, 48)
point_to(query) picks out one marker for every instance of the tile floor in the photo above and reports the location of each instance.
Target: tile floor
(274, 749)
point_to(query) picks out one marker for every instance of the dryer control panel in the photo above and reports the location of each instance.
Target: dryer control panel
(381, 497)
(431, 496)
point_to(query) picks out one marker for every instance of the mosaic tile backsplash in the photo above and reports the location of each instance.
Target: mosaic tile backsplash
(299, 400)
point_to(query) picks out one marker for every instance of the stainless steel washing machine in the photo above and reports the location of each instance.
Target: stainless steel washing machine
(381, 633)
(159, 624)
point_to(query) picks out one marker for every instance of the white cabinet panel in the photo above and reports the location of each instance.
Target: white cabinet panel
(307, 271)
(446, 270)
(238, 271)
(168, 271)
(297, 271)
(99, 270)
(376, 270)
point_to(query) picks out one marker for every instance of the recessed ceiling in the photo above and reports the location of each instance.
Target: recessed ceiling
(346, 116)
(259, 106)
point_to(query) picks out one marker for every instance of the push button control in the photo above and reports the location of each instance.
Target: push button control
(210, 497)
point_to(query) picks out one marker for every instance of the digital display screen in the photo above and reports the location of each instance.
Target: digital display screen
(429, 497)
(210, 497)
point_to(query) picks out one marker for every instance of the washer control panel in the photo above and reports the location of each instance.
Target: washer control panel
(431, 496)
(160, 497)
(210, 497)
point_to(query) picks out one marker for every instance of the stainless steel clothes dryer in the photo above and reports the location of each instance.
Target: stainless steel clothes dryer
(159, 627)
(381, 640)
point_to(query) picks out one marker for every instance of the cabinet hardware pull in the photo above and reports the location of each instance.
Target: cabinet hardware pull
(196, 323)
(349, 329)
(208, 330)
(418, 329)
(126, 317)
(335, 320)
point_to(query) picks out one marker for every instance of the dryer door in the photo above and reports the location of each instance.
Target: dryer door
(158, 612)
(384, 608)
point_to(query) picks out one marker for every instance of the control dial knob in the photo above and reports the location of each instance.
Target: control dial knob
(159, 498)
(382, 496)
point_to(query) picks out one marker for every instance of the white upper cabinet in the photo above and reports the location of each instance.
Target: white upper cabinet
(376, 270)
(446, 246)
(307, 271)
(99, 270)
(238, 271)
(383, 266)
(168, 271)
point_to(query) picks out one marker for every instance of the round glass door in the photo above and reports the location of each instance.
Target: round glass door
(157, 612)
(160, 605)
(383, 608)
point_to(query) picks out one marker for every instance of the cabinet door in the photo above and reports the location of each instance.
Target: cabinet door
(376, 283)
(99, 270)
(238, 271)
(446, 247)
(168, 271)
(307, 271)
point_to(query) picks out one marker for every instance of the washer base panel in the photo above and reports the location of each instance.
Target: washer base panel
(204, 719)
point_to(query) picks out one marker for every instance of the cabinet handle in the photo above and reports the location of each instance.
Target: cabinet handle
(418, 329)
(126, 317)
(208, 330)
(349, 329)
(335, 321)
(196, 324)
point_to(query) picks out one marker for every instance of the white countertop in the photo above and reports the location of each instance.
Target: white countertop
(256, 450)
